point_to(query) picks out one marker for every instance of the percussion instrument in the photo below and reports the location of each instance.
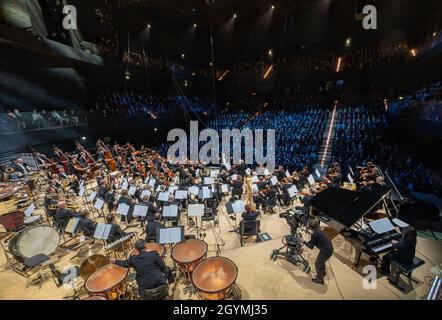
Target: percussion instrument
(92, 264)
(34, 240)
(189, 253)
(121, 247)
(214, 278)
(152, 247)
(33, 219)
(13, 220)
(109, 280)
(96, 297)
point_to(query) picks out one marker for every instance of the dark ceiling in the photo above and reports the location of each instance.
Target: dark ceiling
(292, 24)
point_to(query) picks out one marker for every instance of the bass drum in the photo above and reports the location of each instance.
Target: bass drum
(33, 241)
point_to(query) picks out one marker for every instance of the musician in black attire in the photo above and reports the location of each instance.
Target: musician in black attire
(126, 199)
(323, 243)
(404, 250)
(250, 215)
(115, 232)
(148, 265)
(152, 226)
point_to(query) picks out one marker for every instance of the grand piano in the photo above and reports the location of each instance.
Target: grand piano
(343, 210)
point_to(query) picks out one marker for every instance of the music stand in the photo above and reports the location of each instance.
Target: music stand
(99, 203)
(170, 235)
(195, 210)
(181, 194)
(170, 212)
(140, 210)
(72, 226)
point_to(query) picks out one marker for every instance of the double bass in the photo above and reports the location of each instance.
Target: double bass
(108, 157)
(63, 158)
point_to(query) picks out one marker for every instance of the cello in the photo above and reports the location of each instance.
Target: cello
(108, 157)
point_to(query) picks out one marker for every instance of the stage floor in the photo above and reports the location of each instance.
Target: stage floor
(258, 276)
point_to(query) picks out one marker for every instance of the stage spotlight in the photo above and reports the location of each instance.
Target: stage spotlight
(434, 34)
(235, 16)
(273, 7)
(270, 52)
(148, 26)
(83, 138)
(127, 77)
(194, 25)
(211, 64)
(183, 56)
(348, 42)
(413, 52)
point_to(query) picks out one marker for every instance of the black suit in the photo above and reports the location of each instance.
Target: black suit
(405, 251)
(250, 216)
(151, 229)
(149, 268)
(323, 243)
(115, 233)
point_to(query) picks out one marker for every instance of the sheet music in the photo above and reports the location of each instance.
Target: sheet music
(238, 206)
(160, 188)
(145, 193)
(163, 196)
(266, 172)
(293, 191)
(317, 173)
(140, 210)
(228, 166)
(92, 196)
(124, 185)
(287, 174)
(209, 180)
(350, 179)
(152, 182)
(311, 180)
(255, 188)
(255, 179)
(172, 189)
(170, 211)
(197, 172)
(72, 225)
(99, 204)
(170, 235)
(29, 210)
(81, 191)
(274, 180)
(214, 173)
(205, 193)
(123, 209)
(381, 226)
(193, 190)
(225, 188)
(400, 223)
(132, 190)
(181, 194)
(195, 210)
(102, 231)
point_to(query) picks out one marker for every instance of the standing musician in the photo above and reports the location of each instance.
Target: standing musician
(148, 265)
(126, 199)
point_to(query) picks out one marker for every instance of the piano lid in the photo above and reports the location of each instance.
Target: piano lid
(346, 206)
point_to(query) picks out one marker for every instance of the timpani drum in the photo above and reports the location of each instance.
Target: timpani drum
(96, 297)
(214, 278)
(152, 247)
(109, 281)
(189, 253)
(33, 241)
(92, 264)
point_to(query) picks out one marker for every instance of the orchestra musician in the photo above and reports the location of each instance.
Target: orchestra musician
(251, 214)
(152, 227)
(148, 265)
(126, 199)
(115, 232)
(404, 249)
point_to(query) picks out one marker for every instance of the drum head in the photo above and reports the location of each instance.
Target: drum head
(92, 264)
(96, 297)
(37, 240)
(189, 251)
(155, 247)
(105, 278)
(214, 274)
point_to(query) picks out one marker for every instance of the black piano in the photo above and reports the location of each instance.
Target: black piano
(342, 210)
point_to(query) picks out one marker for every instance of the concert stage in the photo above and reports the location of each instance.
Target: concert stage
(258, 276)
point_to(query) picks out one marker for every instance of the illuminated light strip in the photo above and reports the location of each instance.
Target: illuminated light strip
(329, 136)
(338, 67)
(223, 75)
(268, 72)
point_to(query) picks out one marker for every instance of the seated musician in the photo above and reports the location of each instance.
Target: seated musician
(148, 265)
(152, 209)
(21, 168)
(152, 227)
(125, 198)
(404, 250)
(63, 214)
(251, 214)
(115, 232)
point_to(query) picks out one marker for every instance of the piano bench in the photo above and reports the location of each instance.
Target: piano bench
(399, 268)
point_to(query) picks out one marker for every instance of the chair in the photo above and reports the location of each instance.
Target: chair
(247, 229)
(157, 293)
(36, 264)
(398, 268)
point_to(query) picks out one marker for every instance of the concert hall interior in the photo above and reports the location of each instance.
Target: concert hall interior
(220, 150)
